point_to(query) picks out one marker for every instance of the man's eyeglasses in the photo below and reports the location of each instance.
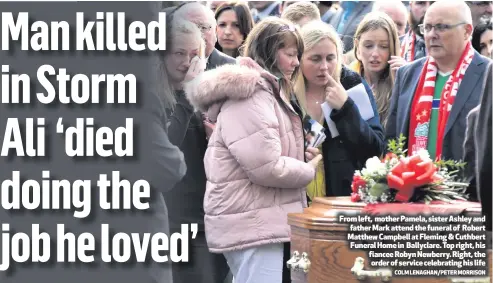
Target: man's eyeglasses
(438, 27)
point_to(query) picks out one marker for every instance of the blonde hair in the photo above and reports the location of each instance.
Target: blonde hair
(182, 27)
(299, 10)
(383, 91)
(175, 28)
(266, 39)
(312, 33)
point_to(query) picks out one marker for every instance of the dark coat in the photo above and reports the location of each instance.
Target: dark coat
(217, 58)
(358, 140)
(186, 200)
(477, 148)
(186, 130)
(166, 167)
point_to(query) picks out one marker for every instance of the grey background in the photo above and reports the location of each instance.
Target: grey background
(64, 167)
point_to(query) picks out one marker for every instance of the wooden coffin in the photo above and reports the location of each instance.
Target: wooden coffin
(317, 238)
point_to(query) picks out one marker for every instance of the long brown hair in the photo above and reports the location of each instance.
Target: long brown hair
(244, 17)
(383, 91)
(266, 39)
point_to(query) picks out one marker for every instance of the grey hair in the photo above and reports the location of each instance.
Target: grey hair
(192, 8)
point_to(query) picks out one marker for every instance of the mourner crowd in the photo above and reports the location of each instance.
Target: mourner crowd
(241, 77)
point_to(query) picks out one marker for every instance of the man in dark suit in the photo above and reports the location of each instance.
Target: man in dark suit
(432, 96)
(477, 148)
(187, 130)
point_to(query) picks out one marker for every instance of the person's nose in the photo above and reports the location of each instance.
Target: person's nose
(324, 66)
(227, 30)
(296, 62)
(187, 61)
(374, 53)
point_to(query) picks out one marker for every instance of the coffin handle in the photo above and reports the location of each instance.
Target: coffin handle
(293, 261)
(304, 263)
(361, 274)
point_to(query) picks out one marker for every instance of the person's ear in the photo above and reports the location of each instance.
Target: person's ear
(468, 31)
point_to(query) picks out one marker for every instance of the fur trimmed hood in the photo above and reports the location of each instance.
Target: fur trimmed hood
(208, 91)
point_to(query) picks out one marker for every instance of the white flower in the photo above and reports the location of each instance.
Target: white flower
(374, 166)
(382, 170)
(424, 154)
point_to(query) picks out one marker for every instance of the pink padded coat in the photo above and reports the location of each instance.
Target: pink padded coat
(254, 163)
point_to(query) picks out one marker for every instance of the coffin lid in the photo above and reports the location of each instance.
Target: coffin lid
(322, 213)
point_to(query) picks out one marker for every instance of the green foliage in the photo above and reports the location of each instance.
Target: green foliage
(450, 164)
(397, 146)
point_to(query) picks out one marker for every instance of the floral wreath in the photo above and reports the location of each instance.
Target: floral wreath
(400, 178)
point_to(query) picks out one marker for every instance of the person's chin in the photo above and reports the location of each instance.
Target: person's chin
(179, 77)
(377, 69)
(320, 81)
(288, 76)
(435, 52)
(227, 46)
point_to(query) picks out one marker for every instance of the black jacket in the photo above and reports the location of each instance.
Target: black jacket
(358, 140)
(217, 58)
(186, 130)
(477, 149)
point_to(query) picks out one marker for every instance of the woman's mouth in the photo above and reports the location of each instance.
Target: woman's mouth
(227, 41)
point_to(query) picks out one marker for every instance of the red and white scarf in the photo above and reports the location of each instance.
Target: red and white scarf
(423, 98)
(407, 46)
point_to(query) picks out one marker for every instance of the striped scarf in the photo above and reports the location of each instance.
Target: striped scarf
(407, 46)
(423, 98)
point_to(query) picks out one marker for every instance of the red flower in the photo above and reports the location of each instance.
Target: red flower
(358, 182)
(389, 156)
(409, 173)
(355, 197)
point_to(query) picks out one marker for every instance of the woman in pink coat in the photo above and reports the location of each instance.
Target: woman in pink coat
(254, 163)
